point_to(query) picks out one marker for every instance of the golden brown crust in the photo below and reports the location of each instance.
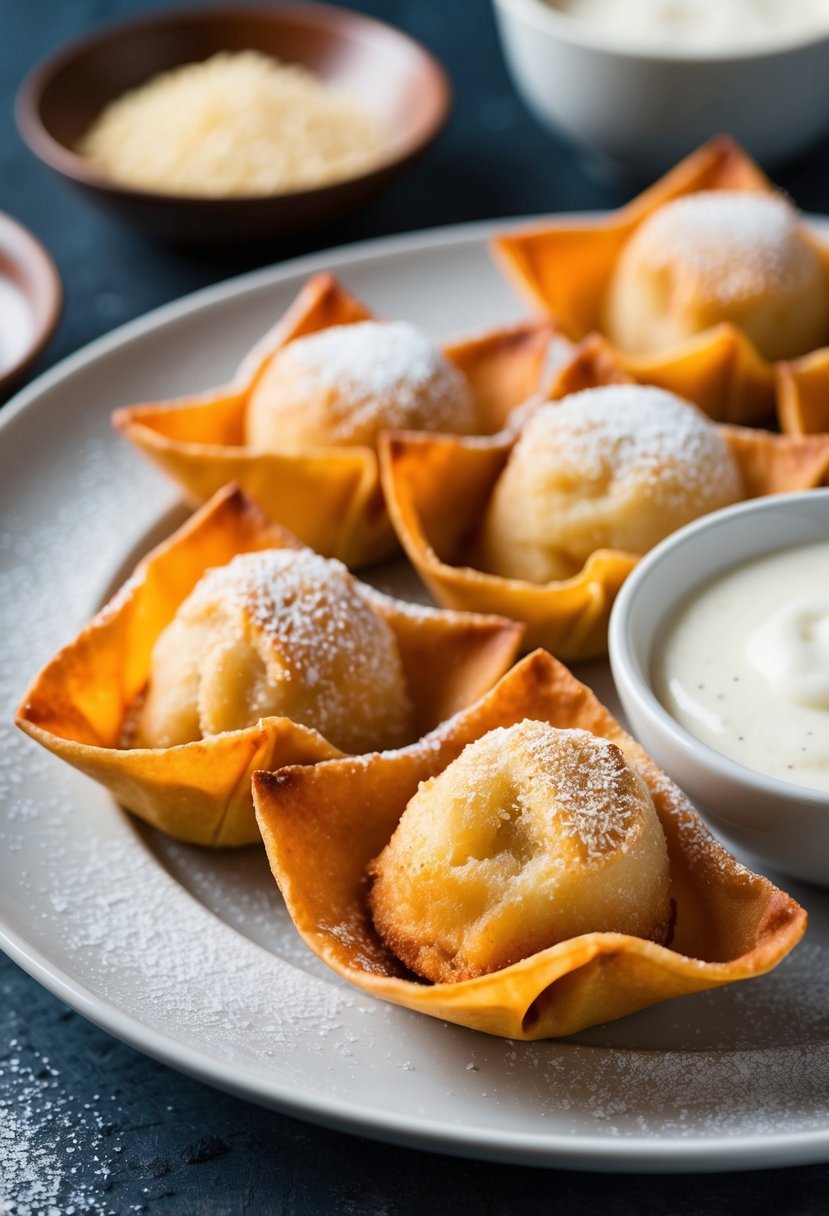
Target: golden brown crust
(730, 924)
(279, 633)
(532, 836)
(803, 394)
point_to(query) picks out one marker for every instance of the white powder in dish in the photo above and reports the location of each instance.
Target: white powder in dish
(16, 323)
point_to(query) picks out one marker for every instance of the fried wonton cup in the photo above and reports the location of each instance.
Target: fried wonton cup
(329, 497)
(563, 269)
(437, 488)
(322, 827)
(200, 792)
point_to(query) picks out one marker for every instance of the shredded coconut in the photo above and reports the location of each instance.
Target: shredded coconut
(589, 779)
(237, 124)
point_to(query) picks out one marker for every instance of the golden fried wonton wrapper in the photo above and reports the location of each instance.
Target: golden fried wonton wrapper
(564, 268)
(437, 488)
(323, 825)
(329, 497)
(200, 792)
(803, 394)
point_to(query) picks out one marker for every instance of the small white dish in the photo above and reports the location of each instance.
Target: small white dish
(786, 826)
(642, 108)
(30, 300)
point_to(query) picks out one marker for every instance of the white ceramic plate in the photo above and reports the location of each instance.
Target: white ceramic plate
(189, 955)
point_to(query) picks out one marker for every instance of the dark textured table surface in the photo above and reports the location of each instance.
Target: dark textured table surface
(86, 1123)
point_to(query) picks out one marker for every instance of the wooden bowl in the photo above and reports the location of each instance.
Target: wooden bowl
(30, 300)
(393, 78)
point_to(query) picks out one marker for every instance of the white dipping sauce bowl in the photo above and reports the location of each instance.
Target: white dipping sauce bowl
(785, 826)
(642, 108)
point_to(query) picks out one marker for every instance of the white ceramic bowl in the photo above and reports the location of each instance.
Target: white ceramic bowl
(642, 109)
(785, 826)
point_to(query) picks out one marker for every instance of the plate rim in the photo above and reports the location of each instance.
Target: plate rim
(626, 1155)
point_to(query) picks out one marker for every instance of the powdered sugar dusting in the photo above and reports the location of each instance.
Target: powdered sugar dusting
(697, 840)
(737, 244)
(633, 435)
(592, 793)
(302, 601)
(320, 631)
(46, 1143)
(377, 374)
(225, 992)
(600, 800)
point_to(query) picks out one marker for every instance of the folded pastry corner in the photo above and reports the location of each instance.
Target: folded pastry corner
(689, 282)
(233, 647)
(803, 394)
(297, 426)
(393, 869)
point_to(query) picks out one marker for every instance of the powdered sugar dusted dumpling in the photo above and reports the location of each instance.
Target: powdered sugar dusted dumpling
(715, 256)
(618, 467)
(534, 835)
(283, 633)
(347, 383)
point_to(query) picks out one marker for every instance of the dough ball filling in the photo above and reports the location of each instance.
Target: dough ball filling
(532, 836)
(346, 384)
(716, 256)
(618, 467)
(281, 633)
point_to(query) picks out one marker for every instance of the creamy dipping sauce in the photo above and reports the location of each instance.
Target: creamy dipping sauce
(744, 665)
(709, 25)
